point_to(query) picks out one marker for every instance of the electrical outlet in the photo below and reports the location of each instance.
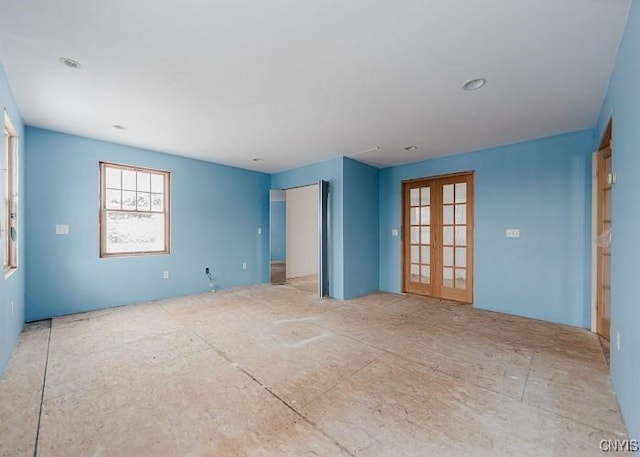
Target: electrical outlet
(165, 275)
(12, 310)
(259, 230)
(618, 340)
(244, 266)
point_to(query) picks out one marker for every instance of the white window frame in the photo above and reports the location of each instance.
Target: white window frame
(104, 211)
(10, 186)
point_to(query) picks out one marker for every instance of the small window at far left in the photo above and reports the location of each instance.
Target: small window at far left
(9, 227)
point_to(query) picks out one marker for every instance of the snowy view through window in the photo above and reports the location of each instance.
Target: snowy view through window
(135, 232)
(134, 210)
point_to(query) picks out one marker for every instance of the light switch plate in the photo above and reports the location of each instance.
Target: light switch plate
(394, 232)
(62, 229)
(513, 233)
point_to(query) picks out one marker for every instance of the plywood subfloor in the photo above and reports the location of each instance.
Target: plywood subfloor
(275, 371)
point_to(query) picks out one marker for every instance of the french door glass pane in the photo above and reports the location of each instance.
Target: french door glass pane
(426, 195)
(447, 237)
(461, 192)
(415, 273)
(447, 277)
(415, 235)
(461, 257)
(425, 255)
(447, 214)
(415, 216)
(461, 214)
(415, 197)
(447, 256)
(415, 254)
(425, 235)
(425, 215)
(461, 279)
(425, 273)
(461, 236)
(447, 194)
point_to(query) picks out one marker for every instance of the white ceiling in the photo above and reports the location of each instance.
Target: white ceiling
(296, 82)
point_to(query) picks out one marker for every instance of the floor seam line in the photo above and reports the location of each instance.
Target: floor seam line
(346, 378)
(44, 383)
(273, 394)
(526, 381)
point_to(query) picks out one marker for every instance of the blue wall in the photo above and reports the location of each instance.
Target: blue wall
(623, 99)
(361, 220)
(332, 171)
(12, 289)
(216, 213)
(541, 187)
(278, 230)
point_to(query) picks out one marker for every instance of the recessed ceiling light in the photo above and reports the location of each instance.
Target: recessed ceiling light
(411, 148)
(120, 127)
(70, 63)
(474, 84)
(258, 159)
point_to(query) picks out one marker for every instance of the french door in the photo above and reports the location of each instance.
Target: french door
(438, 237)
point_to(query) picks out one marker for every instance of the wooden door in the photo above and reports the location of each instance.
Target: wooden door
(603, 297)
(438, 237)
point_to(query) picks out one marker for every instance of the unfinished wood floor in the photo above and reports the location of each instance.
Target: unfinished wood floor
(274, 371)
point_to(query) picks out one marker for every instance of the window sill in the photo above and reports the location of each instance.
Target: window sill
(8, 272)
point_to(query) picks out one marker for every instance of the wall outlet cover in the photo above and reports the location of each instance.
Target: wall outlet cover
(62, 229)
(513, 233)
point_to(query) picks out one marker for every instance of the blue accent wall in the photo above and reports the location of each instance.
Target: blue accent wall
(12, 289)
(361, 219)
(623, 100)
(278, 230)
(332, 171)
(216, 213)
(542, 187)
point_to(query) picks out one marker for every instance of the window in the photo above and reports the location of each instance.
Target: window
(134, 210)
(9, 228)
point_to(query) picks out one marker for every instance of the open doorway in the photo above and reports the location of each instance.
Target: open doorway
(299, 237)
(302, 237)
